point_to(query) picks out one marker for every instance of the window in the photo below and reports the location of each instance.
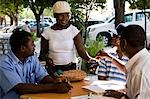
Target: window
(112, 20)
(140, 16)
(128, 17)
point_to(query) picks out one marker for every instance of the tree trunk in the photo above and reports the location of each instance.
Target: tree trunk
(1, 20)
(119, 6)
(5, 20)
(11, 20)
(15, 17)
(37, 16)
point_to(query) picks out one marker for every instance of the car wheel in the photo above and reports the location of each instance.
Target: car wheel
(106, 36)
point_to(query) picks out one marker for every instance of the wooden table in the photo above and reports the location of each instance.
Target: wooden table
(75, 91)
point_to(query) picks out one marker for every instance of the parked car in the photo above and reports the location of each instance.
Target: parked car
(42, 26)
(107, 29)
(49, 19)
(8, 29)
(92, 22)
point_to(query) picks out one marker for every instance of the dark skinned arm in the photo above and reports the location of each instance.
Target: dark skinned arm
(47, 79)
(24, 88)
(44, 49)
(80, 48)
(46, 85)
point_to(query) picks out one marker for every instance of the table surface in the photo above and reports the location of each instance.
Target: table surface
(75, 91)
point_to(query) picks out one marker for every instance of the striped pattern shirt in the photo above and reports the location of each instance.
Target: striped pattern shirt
(108, 69)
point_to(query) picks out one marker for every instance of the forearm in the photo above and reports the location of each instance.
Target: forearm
(80, 48)
(33, 88)
(119, 65)
(47, 79)
(84, 55)
(116, 63)
(44, 49)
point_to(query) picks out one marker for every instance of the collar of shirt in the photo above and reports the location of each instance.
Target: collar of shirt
(15, 59)
(131, 61)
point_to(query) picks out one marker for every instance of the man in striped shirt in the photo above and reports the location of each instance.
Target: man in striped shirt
(110, 69)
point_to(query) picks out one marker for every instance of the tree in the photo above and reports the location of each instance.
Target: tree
(11, 8)
(2, 19)
(119, 6)
(79, 18)
(37, 7)
(139, 4)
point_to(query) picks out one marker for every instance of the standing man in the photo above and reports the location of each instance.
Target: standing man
(21, 72)
(26, 26)
(138, 67)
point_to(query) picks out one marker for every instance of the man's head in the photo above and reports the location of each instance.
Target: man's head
(132, 38)
(62, 11)
(27, 22)
(22, 42)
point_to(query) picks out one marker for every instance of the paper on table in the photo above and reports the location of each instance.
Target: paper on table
(100, 86)
(94, 89)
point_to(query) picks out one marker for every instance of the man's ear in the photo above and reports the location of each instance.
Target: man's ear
(22, 48)
(123, 45)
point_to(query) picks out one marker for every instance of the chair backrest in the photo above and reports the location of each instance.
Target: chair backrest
(4, 45)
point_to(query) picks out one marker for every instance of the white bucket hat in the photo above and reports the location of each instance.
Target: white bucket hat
(61, 7)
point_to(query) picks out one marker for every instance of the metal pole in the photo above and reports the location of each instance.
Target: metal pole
(145, 27)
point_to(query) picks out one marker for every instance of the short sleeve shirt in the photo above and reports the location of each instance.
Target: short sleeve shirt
(107, 68)
(13, 72)
(61, 44)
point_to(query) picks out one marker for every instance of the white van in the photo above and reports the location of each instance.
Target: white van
(108, 28)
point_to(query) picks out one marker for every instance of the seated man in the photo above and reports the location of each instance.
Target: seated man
(109, 68)
(21, 72)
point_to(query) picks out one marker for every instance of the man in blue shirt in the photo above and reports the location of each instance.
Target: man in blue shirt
(21, 72)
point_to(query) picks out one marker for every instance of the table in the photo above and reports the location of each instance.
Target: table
(75, 91)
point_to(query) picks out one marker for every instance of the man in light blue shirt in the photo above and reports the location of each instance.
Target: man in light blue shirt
(21, 72)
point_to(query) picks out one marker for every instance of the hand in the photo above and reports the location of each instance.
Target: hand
(60, 79)
(93, 61)
(63, 87)
(49, 62)
(93, 64)
(101, 54)
(113, 93)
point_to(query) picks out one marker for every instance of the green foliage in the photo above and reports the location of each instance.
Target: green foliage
(143, 4)
(37, 7)
(48, 12)
(139, 4)
(94, 46)
(34, 37)
(80, 12)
